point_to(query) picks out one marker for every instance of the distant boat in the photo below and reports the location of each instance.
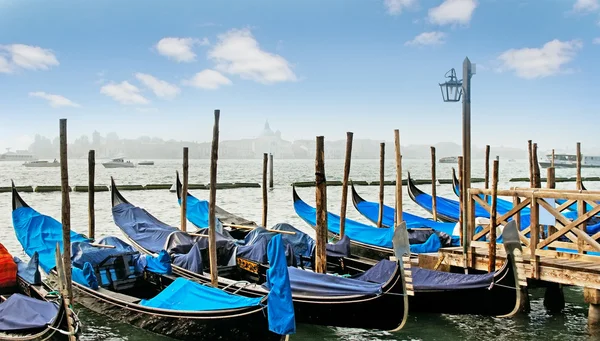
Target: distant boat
(570, 161)
(449, 159)
(42, 164)
(19, 155)
(118, 163)
(146, 163)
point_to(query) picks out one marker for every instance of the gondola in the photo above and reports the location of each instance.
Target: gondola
(320, 299)
(29, 309)
(369, 241)
(370, 210)
(494, 294)
(241, 225)
(502, 205)
(112, 278)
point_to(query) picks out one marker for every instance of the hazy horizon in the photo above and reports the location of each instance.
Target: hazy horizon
(309, 68)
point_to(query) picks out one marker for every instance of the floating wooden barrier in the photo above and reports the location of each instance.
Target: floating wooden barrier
(385, 183)
(130, 187)
(85, 189)
(46, 189)
(19, 188)
(158, 186)
(571, 179)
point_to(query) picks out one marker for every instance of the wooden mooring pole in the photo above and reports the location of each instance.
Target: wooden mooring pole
(347, 162)
(66, 227)
(321, 203)
(493, 213)
(461, 207)
(433, 185)
(212, 243)
(398, 211)
(184, 190)
(271, 171)
(537, 179)
(530, 149)
(554, 298)
(264, 189)
(552, 162)
(581, 205)
(381, 182)
(91, 195)
(487, 168)
(578, 170)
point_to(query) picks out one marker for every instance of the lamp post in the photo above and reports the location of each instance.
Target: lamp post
(452, 91)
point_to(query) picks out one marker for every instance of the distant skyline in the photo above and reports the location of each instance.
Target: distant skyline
(310, 68)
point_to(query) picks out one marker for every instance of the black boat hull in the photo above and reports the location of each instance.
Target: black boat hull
(59, 323)
(250, 324)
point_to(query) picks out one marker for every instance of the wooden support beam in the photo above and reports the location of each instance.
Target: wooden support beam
(321, 203)
(185, 190)
(530, 149)
(91, 195)
(212, 228)
(271, 171)
(66, 229)
(433, 185)
(536, 168)
(347, 162)
(381, 182)
(264, 189)
(398, 211)
(492, 246)
(487, 168)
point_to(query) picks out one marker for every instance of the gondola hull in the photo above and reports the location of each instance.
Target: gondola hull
(59, 323)
(357, 311)
(248, 324)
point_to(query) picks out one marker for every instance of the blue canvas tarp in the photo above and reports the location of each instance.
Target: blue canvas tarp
(40, 233)
(316, 284)
(20, 312)
(356, 231)
(186, 295)
(142, 227)
(86, 276)
(431, 280)
(371, 211)
(280, 305)
(30, 272)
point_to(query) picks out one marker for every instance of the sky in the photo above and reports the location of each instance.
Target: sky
(160, 68)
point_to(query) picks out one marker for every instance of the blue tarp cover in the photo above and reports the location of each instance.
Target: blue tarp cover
(280, 305)
(86, 276)
(316, 284)
(30, 272)
(20, 312)
(40, 233)
(356, 231)
(424, 280)
(186, 295)
(371, 211)
(142, 227)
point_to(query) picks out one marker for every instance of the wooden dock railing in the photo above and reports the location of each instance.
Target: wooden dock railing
(540, 238)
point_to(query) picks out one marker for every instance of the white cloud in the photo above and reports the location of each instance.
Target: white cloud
(208, 79)
(55, 101)
(586, 5)
(124, 93)
(28, 57)
(428, 38)
(179, 49)
(160, 88)
(546, 61)
(238, 53)
(596, 41)
(453, 12)
(395, 7)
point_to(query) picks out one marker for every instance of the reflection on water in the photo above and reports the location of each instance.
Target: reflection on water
(247, 202)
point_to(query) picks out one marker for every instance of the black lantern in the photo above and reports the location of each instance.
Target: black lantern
(452, 89)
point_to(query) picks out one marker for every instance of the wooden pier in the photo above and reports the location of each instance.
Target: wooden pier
(557, 251)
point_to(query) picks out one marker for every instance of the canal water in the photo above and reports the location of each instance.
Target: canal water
(537, 325)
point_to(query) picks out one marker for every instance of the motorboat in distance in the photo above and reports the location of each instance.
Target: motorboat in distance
(146, 163)
(118, 163)
(42, 164)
